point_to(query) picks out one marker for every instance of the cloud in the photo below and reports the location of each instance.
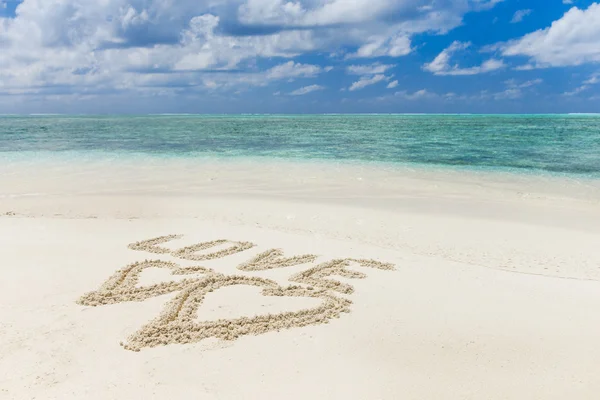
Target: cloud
(515, 90)
(587, 84)
(291, 69)
(370, 74)
(371, 69)
(306, 90)
(485, 5)
(441, 64)
(526, 84)
(392, 84)
(508, 94)
(570, 40)
(576, 91)
(519, 15)
(594, 78)
(285, 14)
(166, 46)
(418, 95)
(394, 46)
(364, 81)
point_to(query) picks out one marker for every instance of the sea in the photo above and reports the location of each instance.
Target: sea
(533, 144)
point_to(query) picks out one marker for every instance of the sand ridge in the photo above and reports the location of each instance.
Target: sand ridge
(176, 323)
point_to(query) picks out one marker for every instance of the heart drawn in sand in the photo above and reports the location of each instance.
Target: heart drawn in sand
(122, 285)
(177, 323)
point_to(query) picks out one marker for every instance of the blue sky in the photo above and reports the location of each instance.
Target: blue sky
(304, 56)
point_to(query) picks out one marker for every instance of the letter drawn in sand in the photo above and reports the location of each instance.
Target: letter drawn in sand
(316, 276)
(151, 245)
(188, 253)
(273, 258)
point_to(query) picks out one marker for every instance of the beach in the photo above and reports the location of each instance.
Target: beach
(454, 284)
(299, 200)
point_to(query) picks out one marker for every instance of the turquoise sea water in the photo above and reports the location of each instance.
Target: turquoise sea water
(564, 144)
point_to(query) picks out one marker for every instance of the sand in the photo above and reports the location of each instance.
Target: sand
(235, 281)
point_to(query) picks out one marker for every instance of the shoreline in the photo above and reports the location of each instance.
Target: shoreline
(15, 159)
(92, 162)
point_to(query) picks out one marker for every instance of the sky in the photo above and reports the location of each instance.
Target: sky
(299, 56)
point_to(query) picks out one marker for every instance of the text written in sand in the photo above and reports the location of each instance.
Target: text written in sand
(177, 324)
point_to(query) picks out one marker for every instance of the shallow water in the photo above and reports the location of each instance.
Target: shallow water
(558, 144)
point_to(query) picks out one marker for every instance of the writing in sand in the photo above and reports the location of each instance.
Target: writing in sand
(177, 322)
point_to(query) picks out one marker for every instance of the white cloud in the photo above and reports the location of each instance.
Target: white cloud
(570, 40)
(515, 90)
(364, 81)
(392, 84)
(370, 69)
(322, 13)
(509, 94)
(291, 69)
(531, 83)
(486, 5)
(587, 84)
(519, 15)
(306, 89)
(441, 64)
(418, 95)
(451, 96)
(59, 47)
(595, 78)
(394, 46)
(526, 67)
(425, 94)
(370, 74)
(526, 84)
(567, 1)
(576, 91)
(319, 13)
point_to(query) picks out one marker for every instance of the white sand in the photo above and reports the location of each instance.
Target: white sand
(494, 295)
